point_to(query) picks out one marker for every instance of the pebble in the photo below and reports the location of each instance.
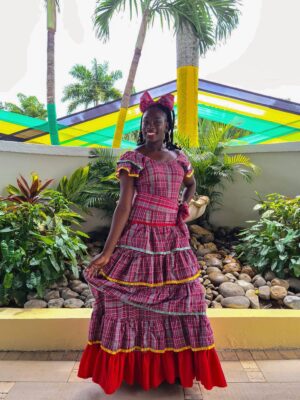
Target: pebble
(232, 267)
(245, 285)
(201, 233)
(260, 281)
(73, 303)
(292, 302)
(294, 284)
(68, 294)
(237, 302)
(56, 303)
(35, 303)
(245, 277)
(280, 282)
(217, 278)
(248, 270)
(53, 294)
(264, 292)
(254, 299)
(269, 275)
(229, 289)
(278, 292)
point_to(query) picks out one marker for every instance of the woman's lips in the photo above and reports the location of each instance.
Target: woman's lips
(151, 133)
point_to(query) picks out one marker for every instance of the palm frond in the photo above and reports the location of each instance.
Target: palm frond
(105, 11)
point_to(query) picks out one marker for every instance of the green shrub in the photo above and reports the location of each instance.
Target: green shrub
(37, 241)
(273, 242)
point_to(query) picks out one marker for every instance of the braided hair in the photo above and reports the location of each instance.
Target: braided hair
(169, 134)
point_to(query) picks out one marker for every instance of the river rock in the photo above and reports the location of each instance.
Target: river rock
(73, 303)
(219, 298)
(53, 294)
(246, 269)
(86, 292)
(215, 304)
(206, 248)
(35, 303)
(294, 284)
(260, 281)
(229, 259)
(217, 278)
(214, 262)
(264, 292)
(245, 277)
(229, 289)
(231, 277)
(280, 282)
(278, 292)
(80, 288)
(89, 303)
(231, 267)
(254, 300)
(238, 302)
(68, 294)
(245, 285)
(292, 302)
(201, 233)
(56, 303)
(209, 270)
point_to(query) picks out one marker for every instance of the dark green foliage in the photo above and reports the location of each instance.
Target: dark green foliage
(273, 242)
(37, 245)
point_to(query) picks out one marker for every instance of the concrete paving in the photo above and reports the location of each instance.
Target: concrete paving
(250, 375)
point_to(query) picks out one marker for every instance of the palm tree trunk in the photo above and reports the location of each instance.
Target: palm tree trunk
(51, 107)
(187, 84)
(130, 81)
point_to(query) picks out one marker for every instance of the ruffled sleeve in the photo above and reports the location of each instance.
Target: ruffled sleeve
(186, 165)
(128, 162)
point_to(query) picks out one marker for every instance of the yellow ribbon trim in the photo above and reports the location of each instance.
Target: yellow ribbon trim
(191, 278)
(127, 169)
(189, 174)
(150, 349)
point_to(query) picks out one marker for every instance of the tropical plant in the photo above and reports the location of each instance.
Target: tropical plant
(171, 13)
(273, 242)
(214, 21)
(52, 6)
(212, 166)
(37, 240)
(29, 105)
(95, 185)
(93, 86)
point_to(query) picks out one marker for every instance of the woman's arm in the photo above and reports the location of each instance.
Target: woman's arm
(189, 190)
(119, 220)
(121, 213)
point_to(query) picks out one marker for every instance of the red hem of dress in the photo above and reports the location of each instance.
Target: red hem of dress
(150, 369)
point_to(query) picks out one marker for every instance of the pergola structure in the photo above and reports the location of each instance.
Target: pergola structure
(269, 119)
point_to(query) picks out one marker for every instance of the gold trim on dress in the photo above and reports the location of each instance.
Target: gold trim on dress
(191, 278)
(150, 349)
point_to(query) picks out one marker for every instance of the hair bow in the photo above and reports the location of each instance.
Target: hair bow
(167, 100)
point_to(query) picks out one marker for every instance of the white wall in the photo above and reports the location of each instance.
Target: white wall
(280, 173)
(279, 163)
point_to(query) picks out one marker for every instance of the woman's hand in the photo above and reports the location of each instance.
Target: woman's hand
(96, 264)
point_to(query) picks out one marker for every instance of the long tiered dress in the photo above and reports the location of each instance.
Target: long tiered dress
(149, 321)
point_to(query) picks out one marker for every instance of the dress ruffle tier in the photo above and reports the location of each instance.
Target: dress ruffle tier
(149, 322)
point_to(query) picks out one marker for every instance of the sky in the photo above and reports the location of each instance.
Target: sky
(261, 55)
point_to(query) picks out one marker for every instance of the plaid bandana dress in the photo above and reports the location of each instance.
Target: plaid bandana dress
(149, 321)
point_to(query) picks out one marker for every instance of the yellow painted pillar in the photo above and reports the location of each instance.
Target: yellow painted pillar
(187, 103)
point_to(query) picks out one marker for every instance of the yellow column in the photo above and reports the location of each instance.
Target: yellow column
(187, 103)
(119, 128)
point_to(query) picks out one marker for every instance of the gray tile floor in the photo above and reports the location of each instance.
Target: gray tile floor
(263, 378)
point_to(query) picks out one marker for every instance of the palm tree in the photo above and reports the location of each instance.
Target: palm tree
(51, 107)
(29, 105)
(216, 19)
(172, 12)
(93, 86)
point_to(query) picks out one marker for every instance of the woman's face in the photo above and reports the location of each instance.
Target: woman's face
(154, 125)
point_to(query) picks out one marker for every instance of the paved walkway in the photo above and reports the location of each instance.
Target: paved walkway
(259, 375)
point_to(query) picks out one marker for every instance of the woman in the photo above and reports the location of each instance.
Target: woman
(149, 321)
